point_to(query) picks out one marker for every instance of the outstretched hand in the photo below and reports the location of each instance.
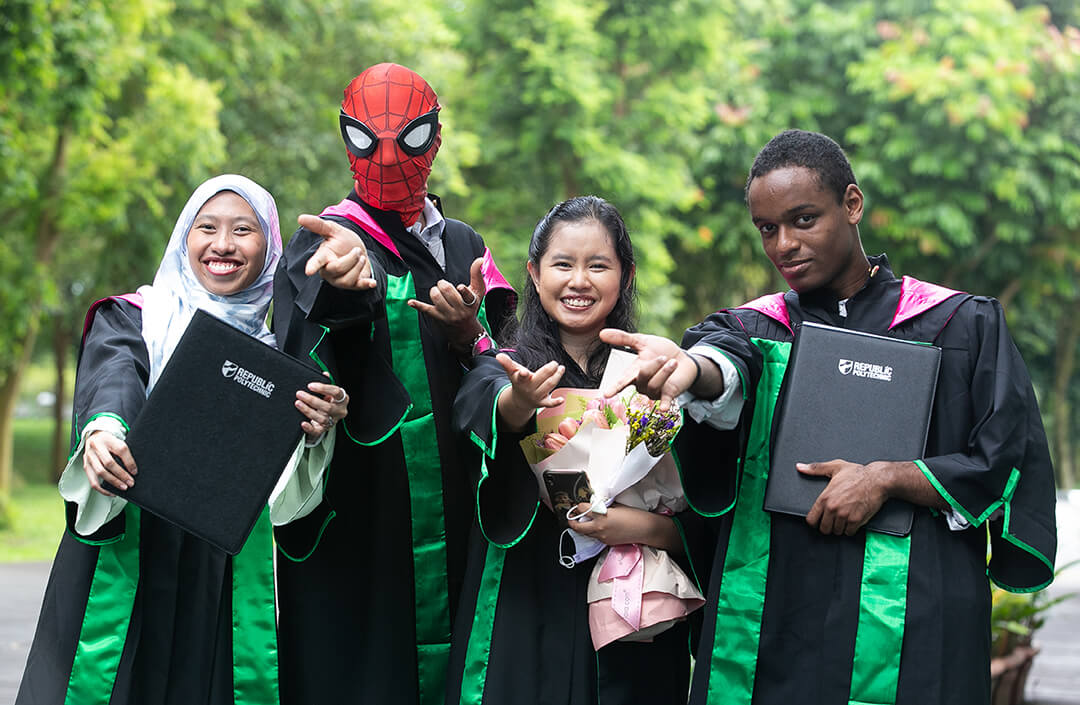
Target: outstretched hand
(663, 370)
(455, 307)
(341, 259)
(528, 390)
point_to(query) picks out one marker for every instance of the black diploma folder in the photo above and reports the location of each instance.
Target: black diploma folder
(854, 396)
(216, 432)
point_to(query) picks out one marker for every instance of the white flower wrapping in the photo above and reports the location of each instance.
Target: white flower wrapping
(653, 591)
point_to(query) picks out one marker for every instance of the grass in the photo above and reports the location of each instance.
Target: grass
(38, 514)
(33, 462)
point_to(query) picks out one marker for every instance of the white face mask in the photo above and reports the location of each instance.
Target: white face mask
(585, 547)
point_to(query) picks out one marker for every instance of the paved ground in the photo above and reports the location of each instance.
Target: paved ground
(21, 588)
(1055, 674)
(1054, 680)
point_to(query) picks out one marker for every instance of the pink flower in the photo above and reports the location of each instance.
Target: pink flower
(568, 428)
(619, 408)
(555, 441)
(595, 403)
(595, 416)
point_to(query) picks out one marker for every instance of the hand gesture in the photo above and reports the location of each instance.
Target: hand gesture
(100, 462)
(853, 496)
(662, 370)
(528, 390)
(455, 307)
(341, 259)
(324, 406)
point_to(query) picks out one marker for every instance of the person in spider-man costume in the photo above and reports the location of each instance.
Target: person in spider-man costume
(392, 299)
(390, 123)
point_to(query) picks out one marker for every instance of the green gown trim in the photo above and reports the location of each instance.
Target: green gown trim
(424, 470)
(108, 614)
(875, 672)
(112, 595)
(478, 650)
(741, 601)
(254, 644)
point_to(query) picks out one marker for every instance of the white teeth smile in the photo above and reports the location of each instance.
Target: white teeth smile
(577, 302)
(220, 267)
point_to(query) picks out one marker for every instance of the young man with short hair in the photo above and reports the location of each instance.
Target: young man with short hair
(815, 609)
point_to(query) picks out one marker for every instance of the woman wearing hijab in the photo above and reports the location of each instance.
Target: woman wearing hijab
(138, 610)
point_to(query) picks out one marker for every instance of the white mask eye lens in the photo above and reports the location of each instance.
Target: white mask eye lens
(418, 136)
(358, 137)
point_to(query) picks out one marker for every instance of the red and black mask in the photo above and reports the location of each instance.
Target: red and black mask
(390, 123)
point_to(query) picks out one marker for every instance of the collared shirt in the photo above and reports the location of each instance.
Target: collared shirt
(429, 230)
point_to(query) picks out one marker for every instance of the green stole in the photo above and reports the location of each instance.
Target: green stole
(424, 469)
(112, 596)
(741, 602)
(478, 650)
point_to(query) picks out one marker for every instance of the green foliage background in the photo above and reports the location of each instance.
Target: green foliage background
(962, 120)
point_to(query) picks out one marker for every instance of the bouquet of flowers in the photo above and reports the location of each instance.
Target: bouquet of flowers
(623, 446)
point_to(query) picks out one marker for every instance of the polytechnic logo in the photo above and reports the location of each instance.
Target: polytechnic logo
(247, 378)
(867, 370)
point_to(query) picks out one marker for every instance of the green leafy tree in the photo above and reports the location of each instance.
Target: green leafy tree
(960, 122)
(597, 97)
(91, 111)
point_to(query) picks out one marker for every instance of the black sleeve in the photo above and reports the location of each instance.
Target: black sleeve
(318, 301)
(1006, 462)
(507, 493)
(111, 379)
(500, 304)
(726, 332)
(114, 368)
(334, 329)
(708, 459)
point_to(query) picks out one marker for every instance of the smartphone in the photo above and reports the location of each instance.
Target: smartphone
(566, 488)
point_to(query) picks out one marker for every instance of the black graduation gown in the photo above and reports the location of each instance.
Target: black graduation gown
(522, 634)
(158, 626)
(985, 423)
(357, 622)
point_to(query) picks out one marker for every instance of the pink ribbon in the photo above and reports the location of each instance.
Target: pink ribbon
(624, 565)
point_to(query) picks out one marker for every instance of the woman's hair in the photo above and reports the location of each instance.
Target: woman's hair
(537, 339)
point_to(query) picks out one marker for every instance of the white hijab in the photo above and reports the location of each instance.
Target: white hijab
(170, 302)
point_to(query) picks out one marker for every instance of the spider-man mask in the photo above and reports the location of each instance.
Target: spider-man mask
(390, 123)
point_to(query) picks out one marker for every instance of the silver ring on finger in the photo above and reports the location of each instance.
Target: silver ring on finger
(344, 396)
(472, 300)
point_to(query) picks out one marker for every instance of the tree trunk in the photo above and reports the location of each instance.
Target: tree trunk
(1065, 358)
(47, 238)
(60, 344)
(52, 189)
(9, 393)
(570, 167)
(1009, 293)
